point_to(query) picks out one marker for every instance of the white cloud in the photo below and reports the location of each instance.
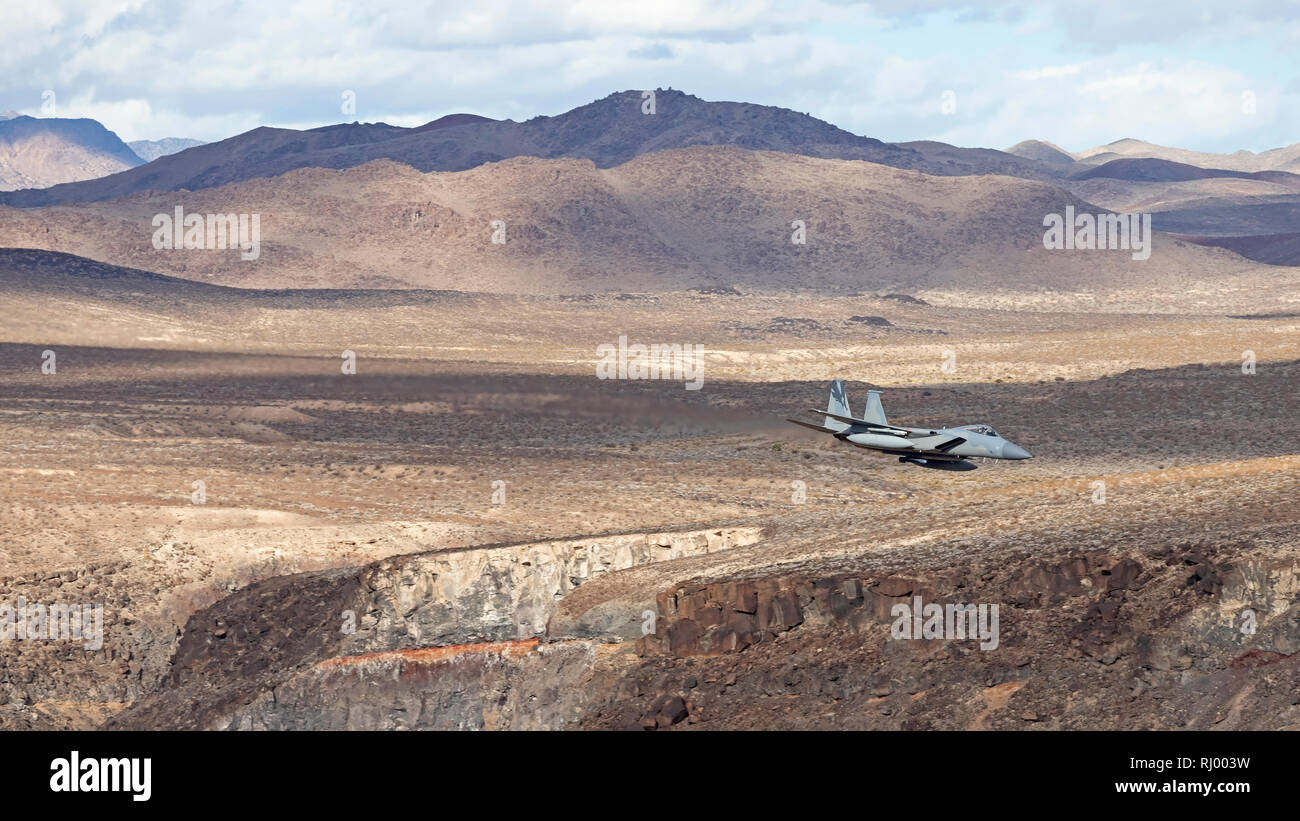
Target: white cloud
(1047, 69)
(1048, 72)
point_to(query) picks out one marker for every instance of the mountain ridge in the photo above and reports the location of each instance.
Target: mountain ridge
(38, 152)
(608, 131)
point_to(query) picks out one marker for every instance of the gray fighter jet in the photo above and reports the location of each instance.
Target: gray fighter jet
(942, 449)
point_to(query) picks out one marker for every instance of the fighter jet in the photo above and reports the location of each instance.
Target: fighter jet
(942, 449)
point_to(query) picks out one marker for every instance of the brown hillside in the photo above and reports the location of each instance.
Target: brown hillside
(664, 221)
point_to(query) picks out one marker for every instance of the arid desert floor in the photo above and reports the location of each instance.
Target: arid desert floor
(1159, 506)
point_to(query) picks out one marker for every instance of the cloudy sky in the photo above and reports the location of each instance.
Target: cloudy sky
(1201, 74)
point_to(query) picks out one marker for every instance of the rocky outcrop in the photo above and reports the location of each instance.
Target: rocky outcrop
(127, 660)
(1183, 636)
(271, 640)
(517, 685)
(494, 594)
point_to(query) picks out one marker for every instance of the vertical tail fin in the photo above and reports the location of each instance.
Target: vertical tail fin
(875, 412)
(838, 404)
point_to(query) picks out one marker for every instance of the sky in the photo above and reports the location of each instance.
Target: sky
(1210, 76)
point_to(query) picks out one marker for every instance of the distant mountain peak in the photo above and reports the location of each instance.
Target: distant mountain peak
(150, 150)
(45, 151)
(1285, 158)
(608, 132)
(1042, 151)
(453, 120)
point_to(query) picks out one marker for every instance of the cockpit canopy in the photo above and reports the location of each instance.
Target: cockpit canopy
(987, 430)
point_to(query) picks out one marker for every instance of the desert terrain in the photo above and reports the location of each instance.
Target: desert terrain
(366, 471)
(474, 531)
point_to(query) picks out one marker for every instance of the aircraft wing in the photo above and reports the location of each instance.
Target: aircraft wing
(872, 426)
(949, 444)
(811, 425)
(938, 448)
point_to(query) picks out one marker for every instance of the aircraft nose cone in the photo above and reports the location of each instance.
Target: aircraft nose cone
(1013, 451)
